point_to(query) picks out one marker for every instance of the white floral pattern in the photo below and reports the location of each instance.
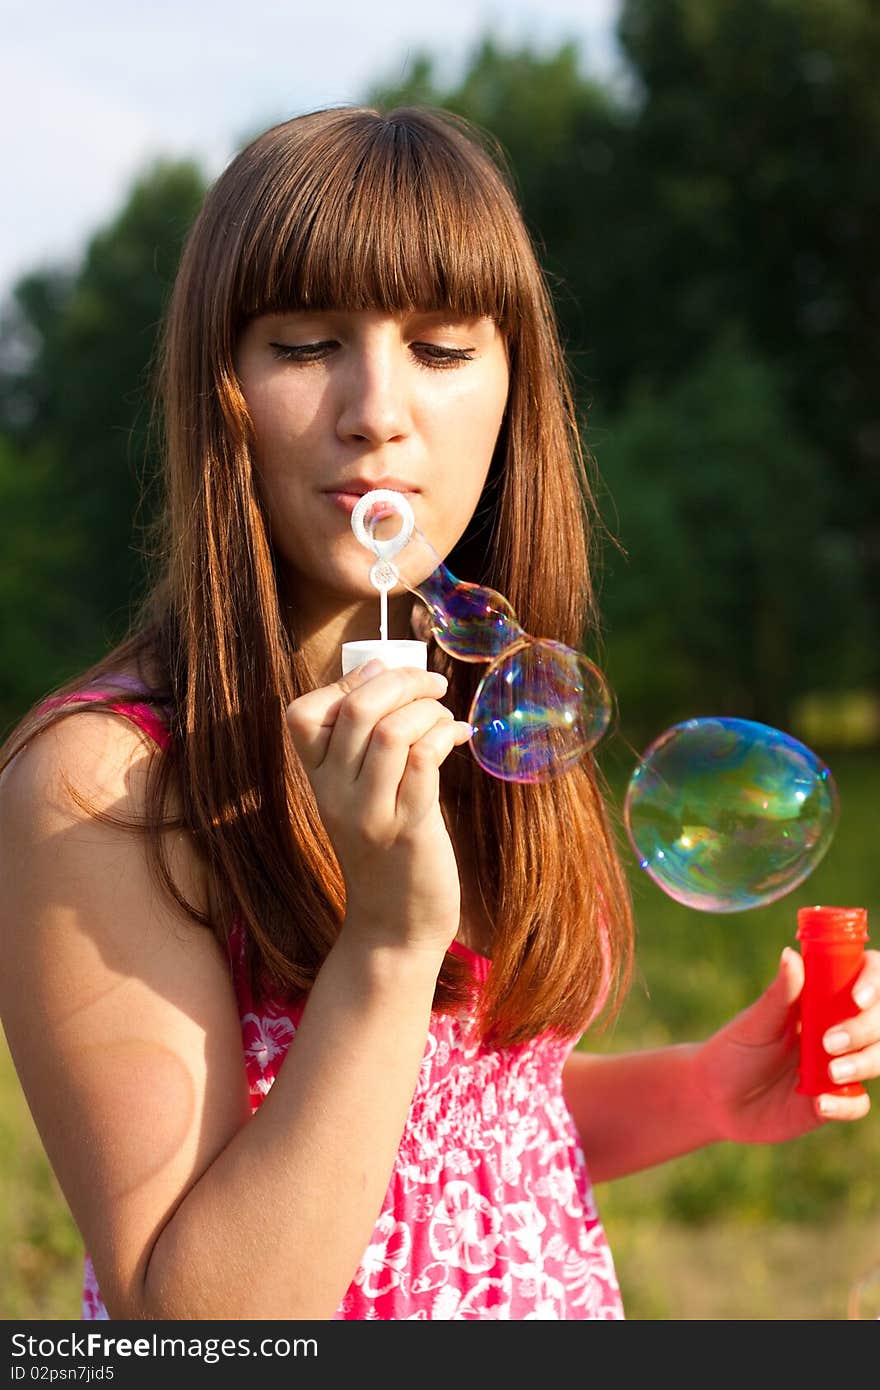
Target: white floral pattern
(489, 1212)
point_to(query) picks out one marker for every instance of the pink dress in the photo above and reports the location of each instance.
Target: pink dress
(489, 1212)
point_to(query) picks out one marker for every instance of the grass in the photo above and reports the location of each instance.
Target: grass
(775, 1232)
(41, 1265)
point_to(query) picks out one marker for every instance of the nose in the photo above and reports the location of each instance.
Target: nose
(374, 405)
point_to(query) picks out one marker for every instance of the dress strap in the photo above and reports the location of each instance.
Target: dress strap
(141, 714)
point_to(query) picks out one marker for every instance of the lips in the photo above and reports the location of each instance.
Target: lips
(356, 487)
(347, 493)
(349, 500)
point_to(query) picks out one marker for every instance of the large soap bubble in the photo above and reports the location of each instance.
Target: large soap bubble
(540, 706)
(727, 814)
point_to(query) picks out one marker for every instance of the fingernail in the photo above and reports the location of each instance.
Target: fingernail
(828, 1105)
(842, 1069)
(864, 995)
(837, 1041)
(371, 668)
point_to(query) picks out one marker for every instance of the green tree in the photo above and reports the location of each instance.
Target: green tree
(767, 112)
(730, 180)
(727, 600)
(75, 412)
(41, 610)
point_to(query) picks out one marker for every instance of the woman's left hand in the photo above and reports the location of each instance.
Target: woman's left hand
(747, 1072)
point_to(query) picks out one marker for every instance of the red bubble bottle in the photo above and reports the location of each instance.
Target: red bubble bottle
(833, 947)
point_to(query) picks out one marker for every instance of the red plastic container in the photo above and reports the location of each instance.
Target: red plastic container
(833, 947)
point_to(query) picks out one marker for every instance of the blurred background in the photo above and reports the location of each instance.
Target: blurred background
(701, 182)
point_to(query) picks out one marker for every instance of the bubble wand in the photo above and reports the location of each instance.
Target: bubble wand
(384, 576)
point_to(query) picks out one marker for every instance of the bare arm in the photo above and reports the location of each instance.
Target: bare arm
(277, 1224)
(636, 1109)
(123, 1026)
(740, 1085)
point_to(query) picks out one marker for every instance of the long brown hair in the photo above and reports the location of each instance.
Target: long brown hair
(354, 208)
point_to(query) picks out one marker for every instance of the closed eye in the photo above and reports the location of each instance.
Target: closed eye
(302, 352)
(442, 356)
(430, 355)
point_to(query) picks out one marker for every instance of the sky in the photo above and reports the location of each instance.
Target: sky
(91, 92)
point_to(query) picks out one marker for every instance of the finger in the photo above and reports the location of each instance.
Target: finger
(420, 785)
(863, 1065)
(860, 1031)
(866, 990)
(853, 1034)
(790, 977)
(773, 1015)
(362, 712)
(310, 717)
(831, 1107)
(335, 727)
(385, 760)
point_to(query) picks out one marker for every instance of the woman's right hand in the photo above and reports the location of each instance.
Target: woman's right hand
(372, 745)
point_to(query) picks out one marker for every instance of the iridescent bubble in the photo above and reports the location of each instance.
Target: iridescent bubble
(539, 708)
(728, 814)
(468, 621)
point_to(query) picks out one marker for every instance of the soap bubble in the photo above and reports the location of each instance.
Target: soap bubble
(727, 814)
(541, 705)
(539, 708)
(468, 621)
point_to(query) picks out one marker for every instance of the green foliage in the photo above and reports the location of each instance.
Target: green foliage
(43, 622)
(77, 462)
(729, 600)
(707, 229)
(772, 108)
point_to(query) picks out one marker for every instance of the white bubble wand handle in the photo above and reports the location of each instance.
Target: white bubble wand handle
(384, 576)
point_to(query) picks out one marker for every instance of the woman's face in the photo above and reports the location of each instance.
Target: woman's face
(345, 401)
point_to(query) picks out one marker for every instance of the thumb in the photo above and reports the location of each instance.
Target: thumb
(773, 1012)
(319, 707)
(789, 977)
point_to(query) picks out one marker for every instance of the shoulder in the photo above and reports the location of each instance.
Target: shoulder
(74, 806)
(98, 753)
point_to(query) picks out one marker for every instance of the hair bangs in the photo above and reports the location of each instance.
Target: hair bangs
(381, 217)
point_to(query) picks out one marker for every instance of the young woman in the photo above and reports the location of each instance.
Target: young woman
(292, 986)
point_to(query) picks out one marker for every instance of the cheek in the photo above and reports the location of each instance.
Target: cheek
(464, 443)
(284, 422)
(474, 415)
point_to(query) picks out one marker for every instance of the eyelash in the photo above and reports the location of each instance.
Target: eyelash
(439, 358)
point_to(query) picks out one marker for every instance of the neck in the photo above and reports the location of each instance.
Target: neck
(320, 632)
